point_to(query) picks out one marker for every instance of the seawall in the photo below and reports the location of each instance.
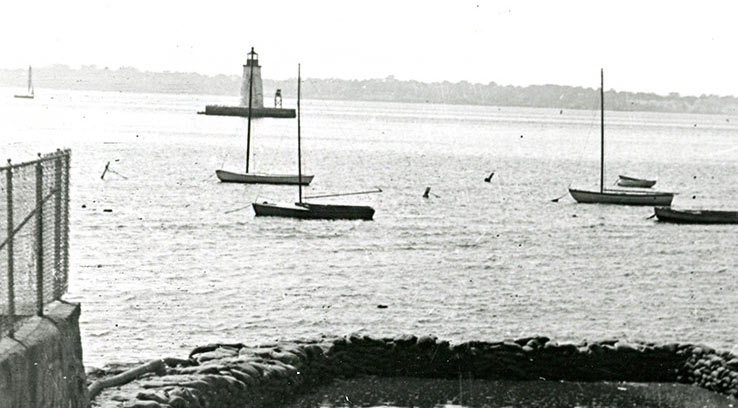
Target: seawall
(41, 365)
(269, 375)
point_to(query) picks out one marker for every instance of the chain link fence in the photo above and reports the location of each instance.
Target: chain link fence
(34, 236)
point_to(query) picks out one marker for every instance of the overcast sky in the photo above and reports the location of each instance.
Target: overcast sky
(652, 46)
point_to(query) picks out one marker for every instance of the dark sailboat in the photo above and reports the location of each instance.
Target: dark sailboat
(305, 210)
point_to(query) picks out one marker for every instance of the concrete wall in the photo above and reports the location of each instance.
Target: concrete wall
(258, 94)
(41, 366)
(237, 376)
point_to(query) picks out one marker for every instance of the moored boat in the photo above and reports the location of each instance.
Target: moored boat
(626, 181)
(684, 216)
(312, 211)
(622, 197)
(619, 197)
(262, 178)
(29, 94)
(247, 177)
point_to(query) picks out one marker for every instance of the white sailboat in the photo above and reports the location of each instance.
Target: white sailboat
(617, 196)
(305, 210)
(29, 93)
(247, 177)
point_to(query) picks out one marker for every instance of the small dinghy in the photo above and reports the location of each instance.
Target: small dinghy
(626, 181)
(668, 214)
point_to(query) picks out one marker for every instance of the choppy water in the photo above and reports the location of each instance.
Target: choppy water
(169, 268)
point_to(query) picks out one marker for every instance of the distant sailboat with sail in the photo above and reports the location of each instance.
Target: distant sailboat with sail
(29, 93)
(247, 177)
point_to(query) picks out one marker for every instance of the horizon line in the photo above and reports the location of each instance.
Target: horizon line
(388, 77)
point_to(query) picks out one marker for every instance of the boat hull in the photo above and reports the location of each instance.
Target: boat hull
(314, 211)
(256, 178)
(649, 198)
(667, 214)
(24, 96)
(625, 181)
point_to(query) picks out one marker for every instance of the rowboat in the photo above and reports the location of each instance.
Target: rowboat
(626, 181)
(668, 214)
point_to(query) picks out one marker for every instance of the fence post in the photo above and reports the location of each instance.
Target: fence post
(11, 279)
(39, 238)
(57, 225)
(65, 241)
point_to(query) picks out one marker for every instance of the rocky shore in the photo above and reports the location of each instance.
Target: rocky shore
(236, 375)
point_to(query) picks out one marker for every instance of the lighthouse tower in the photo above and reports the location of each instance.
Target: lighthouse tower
(252, 67)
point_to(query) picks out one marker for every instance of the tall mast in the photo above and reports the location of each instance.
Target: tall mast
(251, 93)
(602, 131)
(299, 155)
(30, 83)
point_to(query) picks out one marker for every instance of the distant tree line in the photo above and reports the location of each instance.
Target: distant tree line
(128, 79)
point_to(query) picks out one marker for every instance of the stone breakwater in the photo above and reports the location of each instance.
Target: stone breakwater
(236, 375)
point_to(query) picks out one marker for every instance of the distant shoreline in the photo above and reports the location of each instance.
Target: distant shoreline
(389, 89)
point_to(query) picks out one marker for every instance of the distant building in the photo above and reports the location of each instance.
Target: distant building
(252, 74)
(252, 64)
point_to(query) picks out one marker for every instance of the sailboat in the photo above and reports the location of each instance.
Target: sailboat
(305, 210)
(619, 196)
(257, 178)
(29, 93)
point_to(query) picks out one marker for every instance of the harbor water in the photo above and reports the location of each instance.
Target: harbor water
(162, 263)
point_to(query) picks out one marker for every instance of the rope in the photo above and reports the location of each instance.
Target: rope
(585, 146)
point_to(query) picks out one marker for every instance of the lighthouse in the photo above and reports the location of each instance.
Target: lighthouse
(251, 84)
(252, 76)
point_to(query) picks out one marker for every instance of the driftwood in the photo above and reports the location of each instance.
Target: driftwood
(105, 171)
(212, 347)
(125, 377)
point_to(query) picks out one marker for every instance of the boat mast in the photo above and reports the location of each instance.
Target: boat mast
(299, 155)
(602, 131)
(251, 93)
